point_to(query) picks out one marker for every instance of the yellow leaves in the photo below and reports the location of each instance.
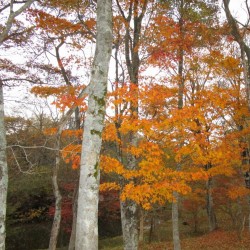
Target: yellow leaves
(72, 133)
(65, 133)
(140, 194)
(109, 164)
(66, 96)
(199, 175)
(237, 192)
(135, 151)
(46, 91)
(110, 133)
(53, 24)
(127, 93)
(128, 126)
(148, 194)
(76, 161)
(71, 153)
(107, 186)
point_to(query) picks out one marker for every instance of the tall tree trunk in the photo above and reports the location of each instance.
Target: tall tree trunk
(88, 195)
(175, 221)
(245, 49)
(129, 218)
(175, 204)
(245, 56)
(152, 229)
(248, 197)
(73, 228)
(129, 209)
(212, 221)
(58, 198)
(3, 173)
(141, 235)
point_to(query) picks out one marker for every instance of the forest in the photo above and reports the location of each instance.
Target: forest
(124, 124)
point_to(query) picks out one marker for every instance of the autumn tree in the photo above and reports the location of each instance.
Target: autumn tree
(239, 32)
(87, 213)
(130, 14)
(9, 30)
(65, 34)
(183, 41)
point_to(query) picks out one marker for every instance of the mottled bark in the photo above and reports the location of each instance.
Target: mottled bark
(175, 204)
(129, 209)
(58, 198)
(88, 195)
(3, 173)
(129, 218)
(141, 234)
(175, 222)
(212, 221)
(73, 229)
(11, 18)
(245, 49)
(151, 230)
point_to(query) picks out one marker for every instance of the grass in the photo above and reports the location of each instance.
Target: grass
(220, 239)
(115, 243)
(217, 240)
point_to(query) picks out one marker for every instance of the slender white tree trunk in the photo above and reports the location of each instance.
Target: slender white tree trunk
(3, 173)
(88, 196)
(58, 198)
(175, 205)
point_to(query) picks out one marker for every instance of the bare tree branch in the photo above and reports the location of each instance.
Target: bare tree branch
(12, 15)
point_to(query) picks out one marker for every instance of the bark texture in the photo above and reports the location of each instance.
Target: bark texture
(3, 173)
(141, 235)
(175, 222)
(175, 204)
(73, 229)
(245, 54)
(133, 18)
(245, 49)
(129, 218)
(11, 18)
(88, 195)
(212, 221)
(58, 197)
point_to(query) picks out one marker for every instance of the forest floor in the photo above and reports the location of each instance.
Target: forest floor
(217, 240)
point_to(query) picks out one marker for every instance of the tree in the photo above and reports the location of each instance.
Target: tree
(87, 214)
(3, 173)
(185, 37)
(69, 32)
(6, 34)
(130, 14)
(239, 32)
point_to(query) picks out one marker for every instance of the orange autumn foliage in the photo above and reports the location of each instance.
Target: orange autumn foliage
(204, 132)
